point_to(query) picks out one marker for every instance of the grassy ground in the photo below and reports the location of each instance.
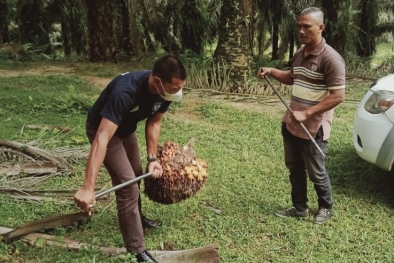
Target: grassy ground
(247, 181)
(384, 51)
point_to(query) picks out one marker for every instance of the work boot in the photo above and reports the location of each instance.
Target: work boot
(144, 256)
(149, 223)
(292, 212)
(322, 215)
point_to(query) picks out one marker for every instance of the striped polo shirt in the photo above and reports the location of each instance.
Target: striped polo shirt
(314, 76)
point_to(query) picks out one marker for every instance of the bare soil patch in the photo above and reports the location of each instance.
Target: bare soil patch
(46, 70)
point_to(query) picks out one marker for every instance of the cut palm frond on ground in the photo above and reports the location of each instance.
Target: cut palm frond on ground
(34, 152)
(23, 166)
(47, 223)
(205, 254)
(38, 195)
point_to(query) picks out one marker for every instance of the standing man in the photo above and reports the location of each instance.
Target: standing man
(318, 78)
(111, 128)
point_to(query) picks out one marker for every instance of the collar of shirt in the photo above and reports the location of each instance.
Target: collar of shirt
(318, 49)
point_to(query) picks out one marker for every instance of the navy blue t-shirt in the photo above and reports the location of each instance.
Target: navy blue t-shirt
(125, 101)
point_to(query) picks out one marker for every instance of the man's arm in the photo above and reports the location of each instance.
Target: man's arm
(152, 134)
(331, 101)
(85, 196)
(282, 76)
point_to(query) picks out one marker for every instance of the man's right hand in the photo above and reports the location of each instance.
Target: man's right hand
(263, 72)
(85, 200)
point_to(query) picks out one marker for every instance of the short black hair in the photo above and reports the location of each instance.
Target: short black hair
(168, 67)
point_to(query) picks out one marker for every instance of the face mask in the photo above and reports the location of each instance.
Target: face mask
(170, 97)
(173, 97)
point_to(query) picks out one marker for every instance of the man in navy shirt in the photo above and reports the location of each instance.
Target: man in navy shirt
(111, 128)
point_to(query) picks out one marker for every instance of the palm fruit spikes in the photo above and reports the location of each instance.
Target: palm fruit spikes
(183, 174)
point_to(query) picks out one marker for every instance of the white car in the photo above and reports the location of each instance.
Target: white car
(373, 134)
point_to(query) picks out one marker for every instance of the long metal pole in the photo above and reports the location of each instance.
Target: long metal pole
(119, 186)
(288, 107)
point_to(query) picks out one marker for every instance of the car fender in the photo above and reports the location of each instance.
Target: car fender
(385, 83)
(385, 157)
(390, 114)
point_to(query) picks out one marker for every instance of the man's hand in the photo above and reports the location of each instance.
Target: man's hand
(263, 72)
(300, 116)
(155, 168)
(85, 200)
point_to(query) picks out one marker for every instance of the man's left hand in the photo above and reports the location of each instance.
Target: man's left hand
(300, 116)
(155, 168)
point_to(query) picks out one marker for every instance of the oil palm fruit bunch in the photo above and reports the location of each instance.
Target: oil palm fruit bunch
(183, 174)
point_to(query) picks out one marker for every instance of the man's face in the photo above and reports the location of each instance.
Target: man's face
(309, 29)
(171, 88)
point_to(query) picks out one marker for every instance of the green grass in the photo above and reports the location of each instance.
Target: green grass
(383, 51)
(247, 181)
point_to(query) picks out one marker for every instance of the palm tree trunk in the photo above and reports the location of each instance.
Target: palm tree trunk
(102, 40)
(192, 33)
(3, 22)
(233, 46)
(64, 11)
(66, 38)
(275, 42)
(32, 25)
(368, 19)
(126, 14)
(137, 43)
(332, 32)
(291, 46)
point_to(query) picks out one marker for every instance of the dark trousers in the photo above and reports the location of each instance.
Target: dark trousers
(302, 156)
(123, 163)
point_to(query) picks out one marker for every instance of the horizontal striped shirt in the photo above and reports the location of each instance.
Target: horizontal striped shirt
(314, 76)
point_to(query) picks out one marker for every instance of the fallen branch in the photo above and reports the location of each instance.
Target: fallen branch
(60, 162)
(29, 168)
(206, 254)
(47, 223)
(48, 128)
(38, 195)
(11, 155)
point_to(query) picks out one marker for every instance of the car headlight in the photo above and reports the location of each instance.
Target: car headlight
(379, 102)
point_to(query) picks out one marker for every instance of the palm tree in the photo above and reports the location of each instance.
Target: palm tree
(235, 38)
(131, 36)
(78, 25)
(276, 24)
(71, 14)
(367, 21)
(180, 24)
(334, 34)
(3, 22)
(263, 26)
(277, 16)
(33, 26)
(102, 41)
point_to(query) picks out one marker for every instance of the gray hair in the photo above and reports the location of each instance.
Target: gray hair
(319, 15)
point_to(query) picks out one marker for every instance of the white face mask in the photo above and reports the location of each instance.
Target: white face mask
(173, 97)
(170, 97)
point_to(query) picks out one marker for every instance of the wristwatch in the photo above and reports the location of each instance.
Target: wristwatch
(151, 159)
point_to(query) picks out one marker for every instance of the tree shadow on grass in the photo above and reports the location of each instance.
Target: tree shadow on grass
(353, 177)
